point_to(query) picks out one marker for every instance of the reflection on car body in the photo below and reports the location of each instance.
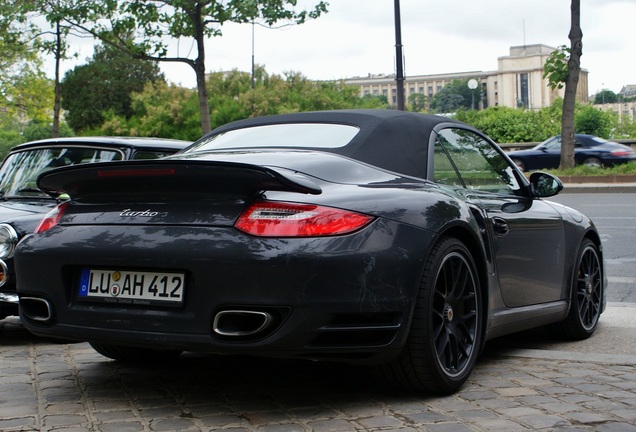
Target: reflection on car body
(398, 240)
(23, 204)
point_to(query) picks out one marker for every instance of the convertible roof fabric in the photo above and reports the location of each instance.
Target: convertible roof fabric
(390, 139)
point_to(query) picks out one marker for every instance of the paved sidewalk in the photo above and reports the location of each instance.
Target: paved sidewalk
(521, 383)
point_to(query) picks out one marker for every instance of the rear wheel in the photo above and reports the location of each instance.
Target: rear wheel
(446, 333)
(587, 295)
(134, 355)
(593, 162)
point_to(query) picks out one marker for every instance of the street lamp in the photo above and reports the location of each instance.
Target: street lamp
(472, 85)
(603, 92)
(399, 76)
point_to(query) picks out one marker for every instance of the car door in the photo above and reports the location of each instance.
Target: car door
(548, 155)
(527, 235)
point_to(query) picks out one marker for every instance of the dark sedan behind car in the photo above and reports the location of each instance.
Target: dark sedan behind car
(588, 150)
(22, 204)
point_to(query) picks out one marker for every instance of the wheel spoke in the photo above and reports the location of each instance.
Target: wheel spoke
(455, 302)
(589, 286)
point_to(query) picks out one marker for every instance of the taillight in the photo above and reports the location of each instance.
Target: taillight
(52, 218)
(621, 153)
(281, 219)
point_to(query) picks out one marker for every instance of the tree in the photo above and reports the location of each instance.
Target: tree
(418, 102)
(155, 22)
(453, 96)
(171, 111)
(105, 83)
(20, 66)
(605, 96)
(563, 68)
(593, 121)
(39, 25)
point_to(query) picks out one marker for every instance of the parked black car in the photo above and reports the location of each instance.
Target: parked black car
(22, 204)
(588, 150)
(378, 237)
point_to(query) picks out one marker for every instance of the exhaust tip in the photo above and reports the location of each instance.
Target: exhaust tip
(241, 323)
(36, 309)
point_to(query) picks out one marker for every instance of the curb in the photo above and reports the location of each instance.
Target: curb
(599, 188)
(599, 184)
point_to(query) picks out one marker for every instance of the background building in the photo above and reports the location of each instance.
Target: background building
(517, 82)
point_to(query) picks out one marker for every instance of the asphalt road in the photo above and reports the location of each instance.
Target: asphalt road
(615, 217)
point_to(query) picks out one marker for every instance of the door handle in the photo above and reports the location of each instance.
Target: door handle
(500, 226)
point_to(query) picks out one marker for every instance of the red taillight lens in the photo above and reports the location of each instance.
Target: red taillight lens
(52, 218)
(279, 219)
(622, 153)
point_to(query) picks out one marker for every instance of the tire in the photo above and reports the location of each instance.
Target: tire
(128, 354)
(593, 162)
(586, 299)
(520, 164)
(446, 334)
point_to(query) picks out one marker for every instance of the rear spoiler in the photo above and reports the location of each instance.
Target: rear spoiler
(153, 177)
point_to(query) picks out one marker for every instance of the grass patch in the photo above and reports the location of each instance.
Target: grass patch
(582, 170)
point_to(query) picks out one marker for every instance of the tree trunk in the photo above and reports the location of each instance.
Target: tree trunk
(199, 68)
(569, 99)
(55, 131)
(204, 107)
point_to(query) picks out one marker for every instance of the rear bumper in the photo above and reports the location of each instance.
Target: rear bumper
(346, 298)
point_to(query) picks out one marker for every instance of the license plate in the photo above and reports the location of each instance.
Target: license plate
(133, 287)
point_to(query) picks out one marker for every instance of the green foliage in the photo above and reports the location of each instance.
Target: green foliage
(156, 22)
(508, 125)
(159, 20)
(584, 170)
(555, 68)
(104, 84)
(590, 120)
(417, 102)
(28, 96)
(160, 110)
(37, 130)
(605, 96)
(626, 128)
(9, 137)
(169, 111)
(454, 96)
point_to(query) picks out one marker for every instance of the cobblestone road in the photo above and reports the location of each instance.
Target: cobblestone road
(521, 383)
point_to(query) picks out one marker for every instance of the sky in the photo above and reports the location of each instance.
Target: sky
(357, 38)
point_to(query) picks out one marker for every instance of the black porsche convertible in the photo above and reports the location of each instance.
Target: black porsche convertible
(398, 240)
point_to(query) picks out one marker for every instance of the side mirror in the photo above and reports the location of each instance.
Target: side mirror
(544, 185)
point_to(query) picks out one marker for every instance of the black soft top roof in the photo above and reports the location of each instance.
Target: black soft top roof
(390, 139)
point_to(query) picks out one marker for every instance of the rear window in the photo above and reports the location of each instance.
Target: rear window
(20, 170)
(316, 135)
(598, 141)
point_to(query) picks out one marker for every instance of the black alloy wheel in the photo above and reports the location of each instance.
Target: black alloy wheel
(587, 295)
(446, 332)
(593, 162)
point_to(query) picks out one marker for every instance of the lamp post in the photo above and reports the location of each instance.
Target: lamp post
(399, 76)
(472, 85)
(603, 92)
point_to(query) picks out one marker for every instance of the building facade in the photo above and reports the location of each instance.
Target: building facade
(517, 82)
